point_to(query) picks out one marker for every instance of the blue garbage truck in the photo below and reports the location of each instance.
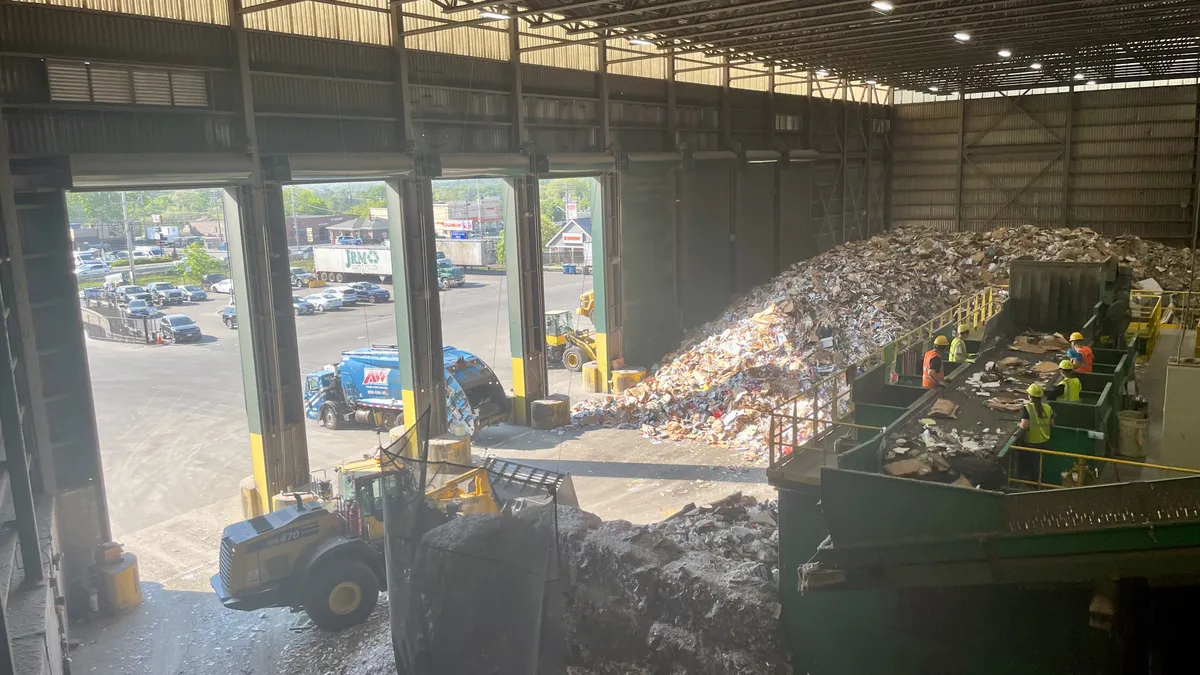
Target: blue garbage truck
(364, 388)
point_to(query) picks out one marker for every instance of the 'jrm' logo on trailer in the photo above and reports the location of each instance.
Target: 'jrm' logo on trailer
(375, 376)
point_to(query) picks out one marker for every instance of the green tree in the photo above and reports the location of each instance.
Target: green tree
(549, 228)
(197, 262)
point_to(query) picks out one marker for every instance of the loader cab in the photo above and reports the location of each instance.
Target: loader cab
(559, 323)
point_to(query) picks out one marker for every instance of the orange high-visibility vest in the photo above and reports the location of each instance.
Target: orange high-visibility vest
(926, 380)
(1086, 354)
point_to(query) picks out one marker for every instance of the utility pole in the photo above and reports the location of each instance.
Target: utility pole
(128, 240)
(295, 223)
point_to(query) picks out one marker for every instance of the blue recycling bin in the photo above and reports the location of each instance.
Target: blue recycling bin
(568, 269)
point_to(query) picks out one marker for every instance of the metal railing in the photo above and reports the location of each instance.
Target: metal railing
(1079, 472)
(803, 421)
(1145, 322)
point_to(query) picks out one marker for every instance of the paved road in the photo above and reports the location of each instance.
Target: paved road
(172, 419)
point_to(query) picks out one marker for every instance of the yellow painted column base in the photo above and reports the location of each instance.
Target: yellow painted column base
(626, 378)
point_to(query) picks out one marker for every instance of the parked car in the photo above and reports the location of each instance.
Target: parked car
(370, 292)
(194, 293)
(229, 316)
(208, 280)
(140, 308)
(348, 296)
(345, 240)
(301, 277)
(165, 293)
(323, 302)
(179, 328)
(222, 286)
(128, 293)
(91, 270)
(302, 306)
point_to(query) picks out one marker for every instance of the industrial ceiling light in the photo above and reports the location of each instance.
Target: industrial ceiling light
(1091, 83)
(962, 36)
(933, 88)
(1078, 76)
(822, 73)
(640, 42)
(882, 6)
(1035, 65)
(872, 82)
(497, 16)
(1005, 53)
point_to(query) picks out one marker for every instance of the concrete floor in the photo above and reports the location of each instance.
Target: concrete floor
(174, 441)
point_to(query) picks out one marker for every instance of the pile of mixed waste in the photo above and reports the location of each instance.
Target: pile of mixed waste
(694, 593)
(830, 311)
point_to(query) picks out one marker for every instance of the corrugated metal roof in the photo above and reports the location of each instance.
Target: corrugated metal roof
(200, 11)
(334, 22)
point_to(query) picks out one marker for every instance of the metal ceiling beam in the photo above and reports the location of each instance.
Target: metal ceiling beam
(990, 42)
(336, 3)
(709, 11)
(816, 33)
(1055, 37)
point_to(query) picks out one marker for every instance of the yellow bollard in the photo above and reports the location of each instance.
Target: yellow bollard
(593, 381)
(626, 378)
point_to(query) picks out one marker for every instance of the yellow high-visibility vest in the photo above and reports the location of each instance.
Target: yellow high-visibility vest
(1039, 425)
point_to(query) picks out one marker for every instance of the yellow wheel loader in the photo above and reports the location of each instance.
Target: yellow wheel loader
(565, 344)
(326, 555)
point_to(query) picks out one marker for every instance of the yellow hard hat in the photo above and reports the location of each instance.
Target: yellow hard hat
(1076, 336)
(1066, 364)
(941, 341)
(964, 328)
(1035, 390)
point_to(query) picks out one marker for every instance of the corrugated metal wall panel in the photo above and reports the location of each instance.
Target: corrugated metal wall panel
(556, 81)
(755, 225)
(95, 35)
(1131, 167)
(312, 56)
(797, 240)
(450, 138)
(32, 132)
(563, 140)
(288, 94)
(452, 70)
(558, 111)
(654, 68)
(456, 105)
(202, 11)
(706, 207)
(650, 321)
(641, 140)
(290, 134)
(708, 68)
(315, 19)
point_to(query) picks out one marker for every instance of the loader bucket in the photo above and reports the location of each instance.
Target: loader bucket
(513, 480)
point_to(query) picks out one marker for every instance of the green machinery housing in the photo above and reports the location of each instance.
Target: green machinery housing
(891, 575)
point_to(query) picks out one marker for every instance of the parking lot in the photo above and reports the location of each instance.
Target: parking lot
(172, 419)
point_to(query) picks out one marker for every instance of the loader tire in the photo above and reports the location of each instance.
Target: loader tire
(573, 359)
(340, 593)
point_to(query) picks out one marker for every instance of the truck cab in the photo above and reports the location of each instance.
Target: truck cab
(449, 274)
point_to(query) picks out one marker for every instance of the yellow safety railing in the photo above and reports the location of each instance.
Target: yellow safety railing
(1079, 470)
(1177, 311)
(1145, 323)
(826, 405)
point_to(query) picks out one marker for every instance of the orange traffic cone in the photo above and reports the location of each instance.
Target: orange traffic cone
(159, 338)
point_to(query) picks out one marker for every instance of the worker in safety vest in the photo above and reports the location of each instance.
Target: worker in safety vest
(931, 369)
(1036, 418)
(958, 346)
(1069, 387)
(1080, 354)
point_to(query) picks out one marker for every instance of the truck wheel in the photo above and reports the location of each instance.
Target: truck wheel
(340, 277)
(330, 418)
(573, 359)
(340, 593)
(389, 420)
